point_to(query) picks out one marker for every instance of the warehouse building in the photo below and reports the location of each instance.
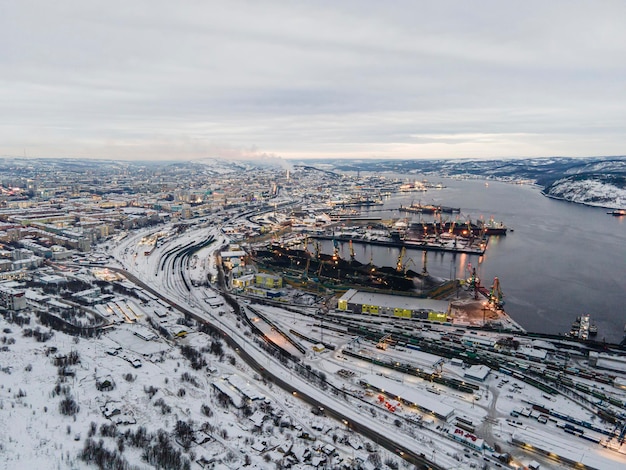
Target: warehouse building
(373, 303)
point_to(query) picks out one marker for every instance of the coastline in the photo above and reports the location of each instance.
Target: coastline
(599, 206)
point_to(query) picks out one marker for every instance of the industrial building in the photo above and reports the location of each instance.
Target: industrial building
(477, 372)
(389, 305)
(268, 280)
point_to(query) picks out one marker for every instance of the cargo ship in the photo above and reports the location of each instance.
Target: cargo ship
(429, 209)
(582, 328)
(357, 201)
(466, 228)
(320, 266)
(618, 212)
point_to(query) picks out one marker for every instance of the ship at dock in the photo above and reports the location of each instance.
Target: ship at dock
(298, 263)
(582, 328)
(356, 201)
(429, 209)
(464, 228)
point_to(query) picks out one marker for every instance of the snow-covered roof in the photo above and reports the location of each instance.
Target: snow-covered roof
(478, 372)
(257, 418)
(233, 254)
(244, 388)
(394, 301)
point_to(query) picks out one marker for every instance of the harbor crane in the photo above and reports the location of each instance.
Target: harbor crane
(399, 263)
(495, 294)
(317, 250)
(407, 264)
(335, 251)
(305, 273)
(473, 283)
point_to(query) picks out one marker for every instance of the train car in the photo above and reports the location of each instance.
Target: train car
(465, 420)
(465, 427)
(582, 387)
(541, 409)
(595, 440)
(603, 379)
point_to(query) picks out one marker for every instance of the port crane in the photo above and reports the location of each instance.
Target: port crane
(495, 294)
(317, 250)
(399, 263)
(352, 255)
(452, 224)
(335, 251)
(407, 264)
(473, 282)
(305, 273)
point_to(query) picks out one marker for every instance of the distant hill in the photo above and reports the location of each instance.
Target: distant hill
(597, 181)
(595, 189)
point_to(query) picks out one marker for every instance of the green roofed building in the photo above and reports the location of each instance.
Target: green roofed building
(388, 305)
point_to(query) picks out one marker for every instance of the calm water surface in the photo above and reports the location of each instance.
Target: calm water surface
(562, 259)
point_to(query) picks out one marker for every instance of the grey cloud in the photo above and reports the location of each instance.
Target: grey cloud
(148, 79)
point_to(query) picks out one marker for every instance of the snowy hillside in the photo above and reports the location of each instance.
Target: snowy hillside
(593, 190)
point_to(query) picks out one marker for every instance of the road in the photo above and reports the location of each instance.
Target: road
(363, 427)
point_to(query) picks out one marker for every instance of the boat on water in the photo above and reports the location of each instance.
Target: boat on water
(429, 209)
(618, 212)
(357, 201)
(582, 328)
(464, 228)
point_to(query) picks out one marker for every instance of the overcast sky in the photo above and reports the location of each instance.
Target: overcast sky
(188, 79)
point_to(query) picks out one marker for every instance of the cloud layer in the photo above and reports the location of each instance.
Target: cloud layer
(191, 79)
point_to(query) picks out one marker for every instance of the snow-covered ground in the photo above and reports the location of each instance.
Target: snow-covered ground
(161, 392)
(139, 379)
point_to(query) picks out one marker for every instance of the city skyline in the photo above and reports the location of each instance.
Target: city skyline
(363, 80)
